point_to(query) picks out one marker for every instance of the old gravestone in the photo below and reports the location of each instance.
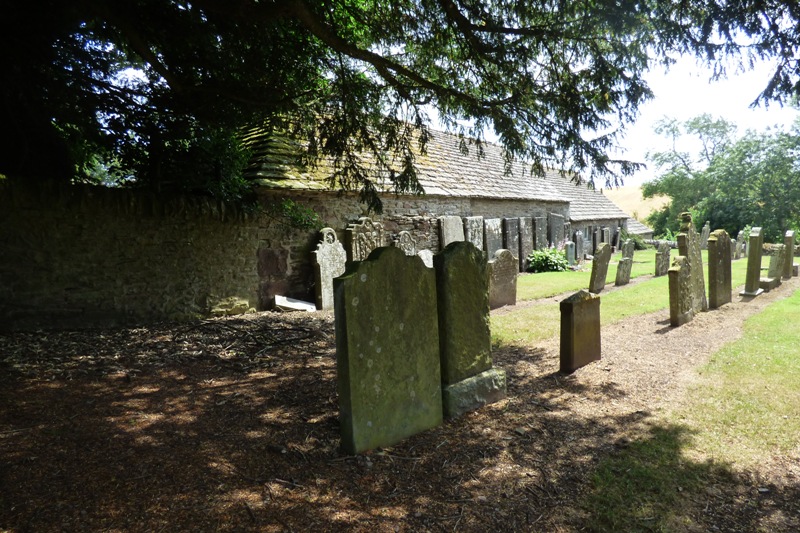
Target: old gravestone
(719, 269)
(739, 248)
(502, 279)
(662, 258)
(580, 331)
(555, 224)
(704, 235)
(363, 237)
(511, 238)
(525, 242)
(602, 256)
(406, 242)
(451, 229)
(569, 251)
(427, 257)
(540, 233)
(606, 237)
(387, 350)
(751, 284)
(473, 231)
(775, 270)
(597, 238)
(681, 304)
(492, 235)
(329, 262)
(788, 261)
(625, 263)
(462, 283)
(689, 247)
(579, 246)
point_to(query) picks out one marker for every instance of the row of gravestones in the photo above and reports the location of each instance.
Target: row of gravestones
(413, 344)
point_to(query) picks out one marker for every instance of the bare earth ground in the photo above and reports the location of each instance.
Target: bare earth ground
(231, 425)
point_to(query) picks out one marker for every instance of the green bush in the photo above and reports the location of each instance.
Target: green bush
(548, 260)
(638, 241)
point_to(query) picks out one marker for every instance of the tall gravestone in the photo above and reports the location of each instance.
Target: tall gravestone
(597, 239)
(569, 251)
(751, 284)
(329, 262)
(705, 233)
(387, 350)
(556, 229)
(719, 269)
(597, 280)
(775, 270)
(473, 231)
(788, 260)
(363, 236)
(511, 238)
(662, 258)
(540, 233)
(580, 331)
(462, 289)
(492, 235)
(525, 242)
(625, 263)
(406, 242)
(579, 246)
(502, 279)
(451, 229)
(681, 305)
(689, 247)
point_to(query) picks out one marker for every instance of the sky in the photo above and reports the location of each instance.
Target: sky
(685, 92)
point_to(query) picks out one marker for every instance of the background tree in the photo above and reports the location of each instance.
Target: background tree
(156, 90)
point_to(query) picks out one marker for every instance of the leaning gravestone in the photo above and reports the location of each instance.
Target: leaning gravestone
(788, 260)
(689, 247)
(511, 238)
(662, 258)
(681, 305)
(705, 233)
(580, 331)
(525, 242)
(473, 231)
(719, 269)
(406, 242)
(556, 226)
(363, 236)
(751, 284)
(387, 350)
(502, 279)
(540, 233)
(625, 263)
(462, 289)
(775, 270)
(492, 235)
(451, 229)
(579, 246)
(602, 256)
(329, 262)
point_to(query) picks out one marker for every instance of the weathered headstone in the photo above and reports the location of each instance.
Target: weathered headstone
(616, 238)
(329, 262)
(788, 261)
(580, 331)
(451, 229)
(775, 270)
(597, 280)
(556, 229)
(751, 284)
(511, 238)
(387, 350)
(579, 246)
(406, 242)
(427, 257)
(704, 235)
(473, 231)
(569, 251)
(525, 242)
(492, 235)
(597, 238)
(503, 269)
(625, 263)
(462, 288)
(739, 249)
(689, 247)
(606, 237)
(662, 258)
(681, 306)
(540, 233)
(719, 269)
(363, 237)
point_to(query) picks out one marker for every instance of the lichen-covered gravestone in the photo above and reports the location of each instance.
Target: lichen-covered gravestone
(569, 251)
(597, 280)
(525, 242)
(329, 262)
(556, 226)
(364, 236)
(387, 350)
(492, 235)
(473, 231)
(689, 247)
(751, 284)
(662, 258)
(451, 229)
(511, 238)
(580, 331)
(406, 242)
(579, 246)
(775, 270)
(540, 233)
(625, 263)
(502, 279)
(719, 269)
(788, 260)
(704, 235)
(462, 283)
(681, 307)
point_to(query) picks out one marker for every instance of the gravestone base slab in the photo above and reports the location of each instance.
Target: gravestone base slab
(474, 392)
(751, 293)
(767, 284)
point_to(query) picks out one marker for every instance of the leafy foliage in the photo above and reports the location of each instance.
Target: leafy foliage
(547, 260)
(638, 241)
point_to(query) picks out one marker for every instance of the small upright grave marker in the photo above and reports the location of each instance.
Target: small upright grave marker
(502, 279)
(788, 261)
(525, 242)
(329, 263)
(689, 247)
(406, 242)
(580, 331)
(451, 229)
(540, 233)
(363, 236)
(579, 246)
(473, 231)
(719, 269)
(625, 263)
(681, 306)
(751, 285)
(775, 270)
(511, 238)
(556, 227)
(492, 235)
(597, 280)
(662, 258)
(705, 233)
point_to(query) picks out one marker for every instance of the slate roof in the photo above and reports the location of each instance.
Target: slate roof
(586, 203)
(637, 228)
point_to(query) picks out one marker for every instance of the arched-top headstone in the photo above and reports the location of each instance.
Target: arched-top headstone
(364, 236)
(503, 270)
(329, 262)
(406, 242)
